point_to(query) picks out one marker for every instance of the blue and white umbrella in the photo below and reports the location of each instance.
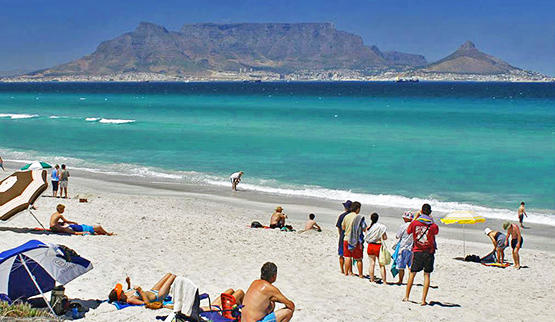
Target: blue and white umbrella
(34, 268)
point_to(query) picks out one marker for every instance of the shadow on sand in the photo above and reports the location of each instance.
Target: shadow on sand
(35, 231)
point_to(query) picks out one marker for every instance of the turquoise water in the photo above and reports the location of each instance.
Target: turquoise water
(482, 146)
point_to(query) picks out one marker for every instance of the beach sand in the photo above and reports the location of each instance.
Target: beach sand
(203, 233)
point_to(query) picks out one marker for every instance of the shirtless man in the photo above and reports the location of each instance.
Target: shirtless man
(278, 218)
(261, 298)
(516, 241)
(521, 214)
(59, 224)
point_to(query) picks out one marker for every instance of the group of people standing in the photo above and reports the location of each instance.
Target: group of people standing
(60, 179)
(415, 247)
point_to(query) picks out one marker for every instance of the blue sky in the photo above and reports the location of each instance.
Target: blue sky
(36, 33)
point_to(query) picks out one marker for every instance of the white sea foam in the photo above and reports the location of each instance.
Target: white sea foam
(82, 98)
(116, 121)
(18, 116)
(92, 119)
(53, 117)
(545, 217)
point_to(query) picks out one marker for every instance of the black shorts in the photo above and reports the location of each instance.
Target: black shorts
(54, 185)
(520, 218)
(422, 260)
(515, 241)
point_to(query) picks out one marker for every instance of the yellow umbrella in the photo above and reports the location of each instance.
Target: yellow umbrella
(462, 217)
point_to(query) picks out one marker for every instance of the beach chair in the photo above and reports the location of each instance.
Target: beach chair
(229, 312)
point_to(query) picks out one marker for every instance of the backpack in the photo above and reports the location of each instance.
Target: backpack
(59, 301)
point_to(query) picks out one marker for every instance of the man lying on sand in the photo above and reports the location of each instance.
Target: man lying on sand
(261, 298)
(311, 224)
(59, 224)
(137, 296)
(278, 218)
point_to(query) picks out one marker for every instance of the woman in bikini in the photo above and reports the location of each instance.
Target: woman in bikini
(138, 296)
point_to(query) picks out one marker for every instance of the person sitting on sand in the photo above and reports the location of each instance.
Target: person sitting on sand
(261, 297)
(423, 232)
(59, 224)
(311, 224)
(375, 234)
(516, 241)
(137, 296)
(498, 240)
(278, 219)
(404, 257)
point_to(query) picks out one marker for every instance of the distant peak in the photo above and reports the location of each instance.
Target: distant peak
(143, 26)
(467, 45)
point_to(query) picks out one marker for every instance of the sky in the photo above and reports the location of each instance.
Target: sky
(36, 34)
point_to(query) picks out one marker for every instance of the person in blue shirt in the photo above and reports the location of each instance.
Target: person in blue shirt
(55, 177)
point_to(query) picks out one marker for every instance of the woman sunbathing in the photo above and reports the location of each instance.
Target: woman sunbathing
(137, 296)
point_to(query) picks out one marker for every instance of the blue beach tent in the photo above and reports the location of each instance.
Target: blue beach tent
(34, 268)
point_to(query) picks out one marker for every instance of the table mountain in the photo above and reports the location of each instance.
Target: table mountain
(204, 47)
(469, 60)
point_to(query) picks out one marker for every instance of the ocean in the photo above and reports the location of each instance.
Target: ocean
(461, 146)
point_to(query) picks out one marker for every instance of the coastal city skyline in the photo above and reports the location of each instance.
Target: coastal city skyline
(39, 34)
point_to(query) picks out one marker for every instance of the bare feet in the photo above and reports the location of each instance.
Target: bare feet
(423, 303)
(405, 299)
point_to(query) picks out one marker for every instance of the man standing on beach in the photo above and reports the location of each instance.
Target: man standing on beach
(521, 214)
(64, 178)
(423, 232)
(261, 297)
(352, 251)
(346, 207)
(516, 241)
(404, 257)
(235, 178)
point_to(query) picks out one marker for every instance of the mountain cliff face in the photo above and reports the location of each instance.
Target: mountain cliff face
(469, 60)
(197, 48)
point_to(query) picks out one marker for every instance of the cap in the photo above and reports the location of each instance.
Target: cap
(408, 215)
(347, 204)
(487, 231)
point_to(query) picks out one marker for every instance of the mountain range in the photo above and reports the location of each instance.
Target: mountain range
(204, 48)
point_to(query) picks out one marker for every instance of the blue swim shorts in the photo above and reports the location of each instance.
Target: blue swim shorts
(269, 318)
(82, 228)
(404, 259)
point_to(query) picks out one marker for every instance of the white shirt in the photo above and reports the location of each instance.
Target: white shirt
(375, 233)
(235, 175)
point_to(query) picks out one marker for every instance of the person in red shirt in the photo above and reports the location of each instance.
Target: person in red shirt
(423, 230)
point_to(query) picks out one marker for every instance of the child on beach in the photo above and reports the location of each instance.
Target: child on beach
(423, 232)
(375, 234)
(521, 214)
(311, 224)
(404, 257)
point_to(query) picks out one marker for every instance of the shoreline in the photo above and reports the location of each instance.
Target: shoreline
(296, 207)
(203, 234)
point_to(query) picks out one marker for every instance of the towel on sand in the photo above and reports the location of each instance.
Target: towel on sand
(183, 292)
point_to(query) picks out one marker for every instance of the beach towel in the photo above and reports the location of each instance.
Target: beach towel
(357, 232)
(394, 270)
(498, 265)
(120, 306)
(184, 293)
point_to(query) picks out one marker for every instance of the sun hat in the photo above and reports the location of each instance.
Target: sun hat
(506, 224)
(347, 204)
(408, 215)
(487, 231)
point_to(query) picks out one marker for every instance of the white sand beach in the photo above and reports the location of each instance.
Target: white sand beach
(205, 236)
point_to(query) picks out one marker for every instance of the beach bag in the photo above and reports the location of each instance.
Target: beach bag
(59, 301)
(385, 256)
(256, 224)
